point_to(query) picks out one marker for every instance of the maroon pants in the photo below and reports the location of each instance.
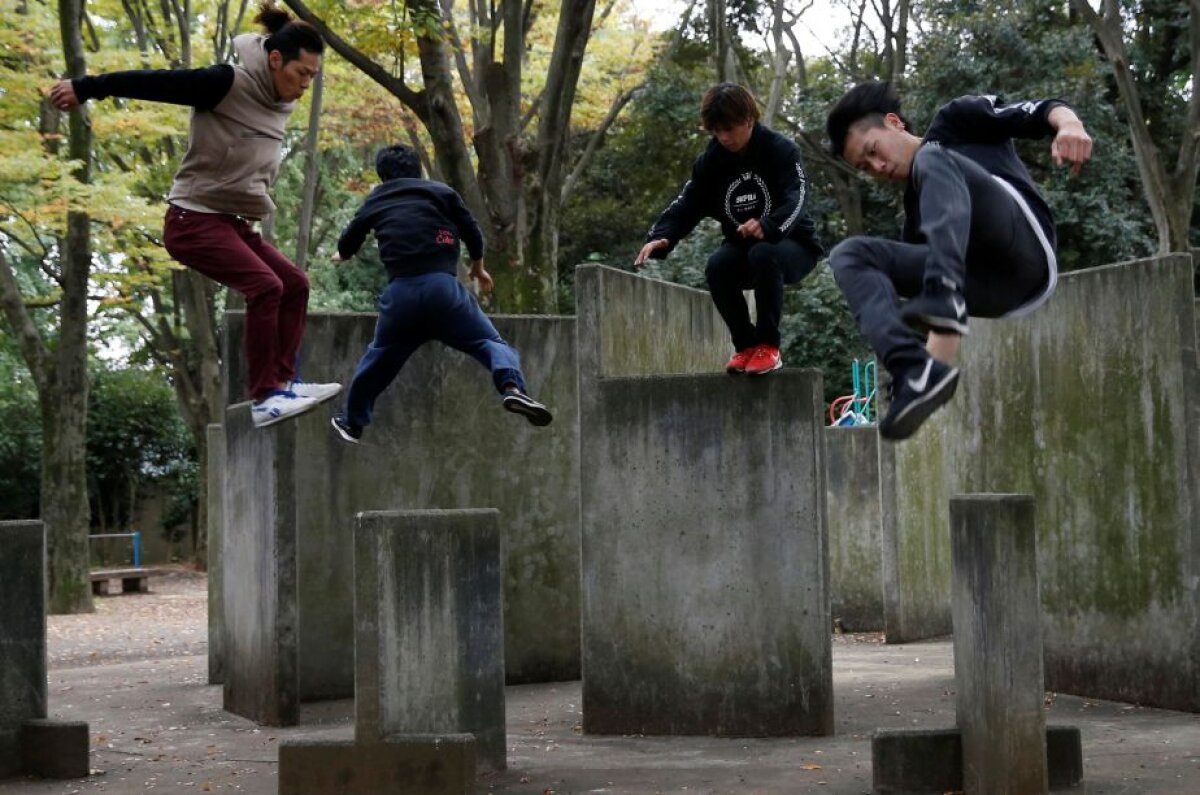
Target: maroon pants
(226, 249)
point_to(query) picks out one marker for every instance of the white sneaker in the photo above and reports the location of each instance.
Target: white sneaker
(318, 392)
(278, 407)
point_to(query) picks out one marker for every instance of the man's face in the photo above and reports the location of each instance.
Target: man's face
(292, 78)
(884, 152)
(734, 137)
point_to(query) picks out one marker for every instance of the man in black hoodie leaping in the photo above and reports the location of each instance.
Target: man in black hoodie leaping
(978, 237)
(418, 224)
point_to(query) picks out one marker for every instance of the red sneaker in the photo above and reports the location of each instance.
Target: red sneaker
(765, 359)
(737, 363)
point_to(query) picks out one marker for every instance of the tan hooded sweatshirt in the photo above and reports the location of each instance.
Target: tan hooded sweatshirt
(234, 150)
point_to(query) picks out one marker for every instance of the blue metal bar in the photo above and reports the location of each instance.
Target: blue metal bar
(137, 549)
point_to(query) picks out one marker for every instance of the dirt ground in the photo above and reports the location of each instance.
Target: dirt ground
(136, 671)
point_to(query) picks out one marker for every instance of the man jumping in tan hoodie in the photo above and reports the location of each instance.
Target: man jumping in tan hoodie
(222, 188)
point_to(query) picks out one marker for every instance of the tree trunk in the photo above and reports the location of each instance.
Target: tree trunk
(779, 64)
(1169, 197)
(516, 191)
(63, 400)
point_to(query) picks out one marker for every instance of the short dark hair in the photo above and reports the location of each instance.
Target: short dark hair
(864, 105)
(727, 104)
(288, 36)
(396, 162)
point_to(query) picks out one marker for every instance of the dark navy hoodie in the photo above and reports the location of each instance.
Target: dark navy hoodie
(418, 223)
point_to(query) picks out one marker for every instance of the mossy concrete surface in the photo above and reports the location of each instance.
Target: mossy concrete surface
(705, 559)
(439, 439)
(1092, 405)
(855, 547)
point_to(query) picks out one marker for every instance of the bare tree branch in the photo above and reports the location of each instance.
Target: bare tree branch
(589, 152)
(479, 109)
(396, 87)
(45, 255)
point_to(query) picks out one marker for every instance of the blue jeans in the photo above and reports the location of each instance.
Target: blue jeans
(414, 310)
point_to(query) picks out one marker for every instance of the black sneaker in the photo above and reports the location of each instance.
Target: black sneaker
(347, 430)
(939, 308)
(518, 402)
(916, 394)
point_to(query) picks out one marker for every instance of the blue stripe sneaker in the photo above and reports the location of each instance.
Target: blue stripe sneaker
(279, 406)
(318, 392)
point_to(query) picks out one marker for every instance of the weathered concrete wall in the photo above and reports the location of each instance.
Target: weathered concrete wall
(22, 636)
(855, 548)
(215, 437)
(705, 565)
(429, 636)
(439, 440)
(1089, 406)
(631, 325)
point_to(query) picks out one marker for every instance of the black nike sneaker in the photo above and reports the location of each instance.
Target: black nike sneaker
(916, 394)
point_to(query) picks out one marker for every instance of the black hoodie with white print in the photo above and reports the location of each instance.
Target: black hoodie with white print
(766, 180)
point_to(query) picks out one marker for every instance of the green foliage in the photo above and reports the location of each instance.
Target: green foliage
(20, 438)
(645, 159)
(135, 437)
(819, 331)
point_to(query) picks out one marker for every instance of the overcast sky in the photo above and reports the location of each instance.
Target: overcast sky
(816, 28)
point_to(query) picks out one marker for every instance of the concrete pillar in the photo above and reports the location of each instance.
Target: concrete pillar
(429, 630)
(261, 680)
(705, 557)
(998, 644)
(215, 438)
(22, 635)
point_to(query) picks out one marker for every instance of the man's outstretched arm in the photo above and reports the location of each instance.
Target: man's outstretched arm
(1072, 144)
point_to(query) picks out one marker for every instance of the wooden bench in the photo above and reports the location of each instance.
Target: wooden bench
(133, 580)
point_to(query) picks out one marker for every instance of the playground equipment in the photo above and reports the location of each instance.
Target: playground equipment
(856, 408)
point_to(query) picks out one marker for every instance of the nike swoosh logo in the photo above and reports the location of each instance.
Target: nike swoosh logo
(920, 383)
(960, 306)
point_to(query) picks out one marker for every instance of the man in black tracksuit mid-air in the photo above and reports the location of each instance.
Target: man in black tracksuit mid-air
(418, 224)
(752, 181)
(978, 237)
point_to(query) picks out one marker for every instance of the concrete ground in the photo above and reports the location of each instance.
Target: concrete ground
(136, 670)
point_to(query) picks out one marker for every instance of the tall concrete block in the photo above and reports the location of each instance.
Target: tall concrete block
(215, 438)
(855, 545)
(439, 440)
(259, 570)
(998, 644)
(1092, 418)
(705, 560)
(429, 638)
(22, 635)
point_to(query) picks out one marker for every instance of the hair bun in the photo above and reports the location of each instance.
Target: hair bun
(272, 17)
